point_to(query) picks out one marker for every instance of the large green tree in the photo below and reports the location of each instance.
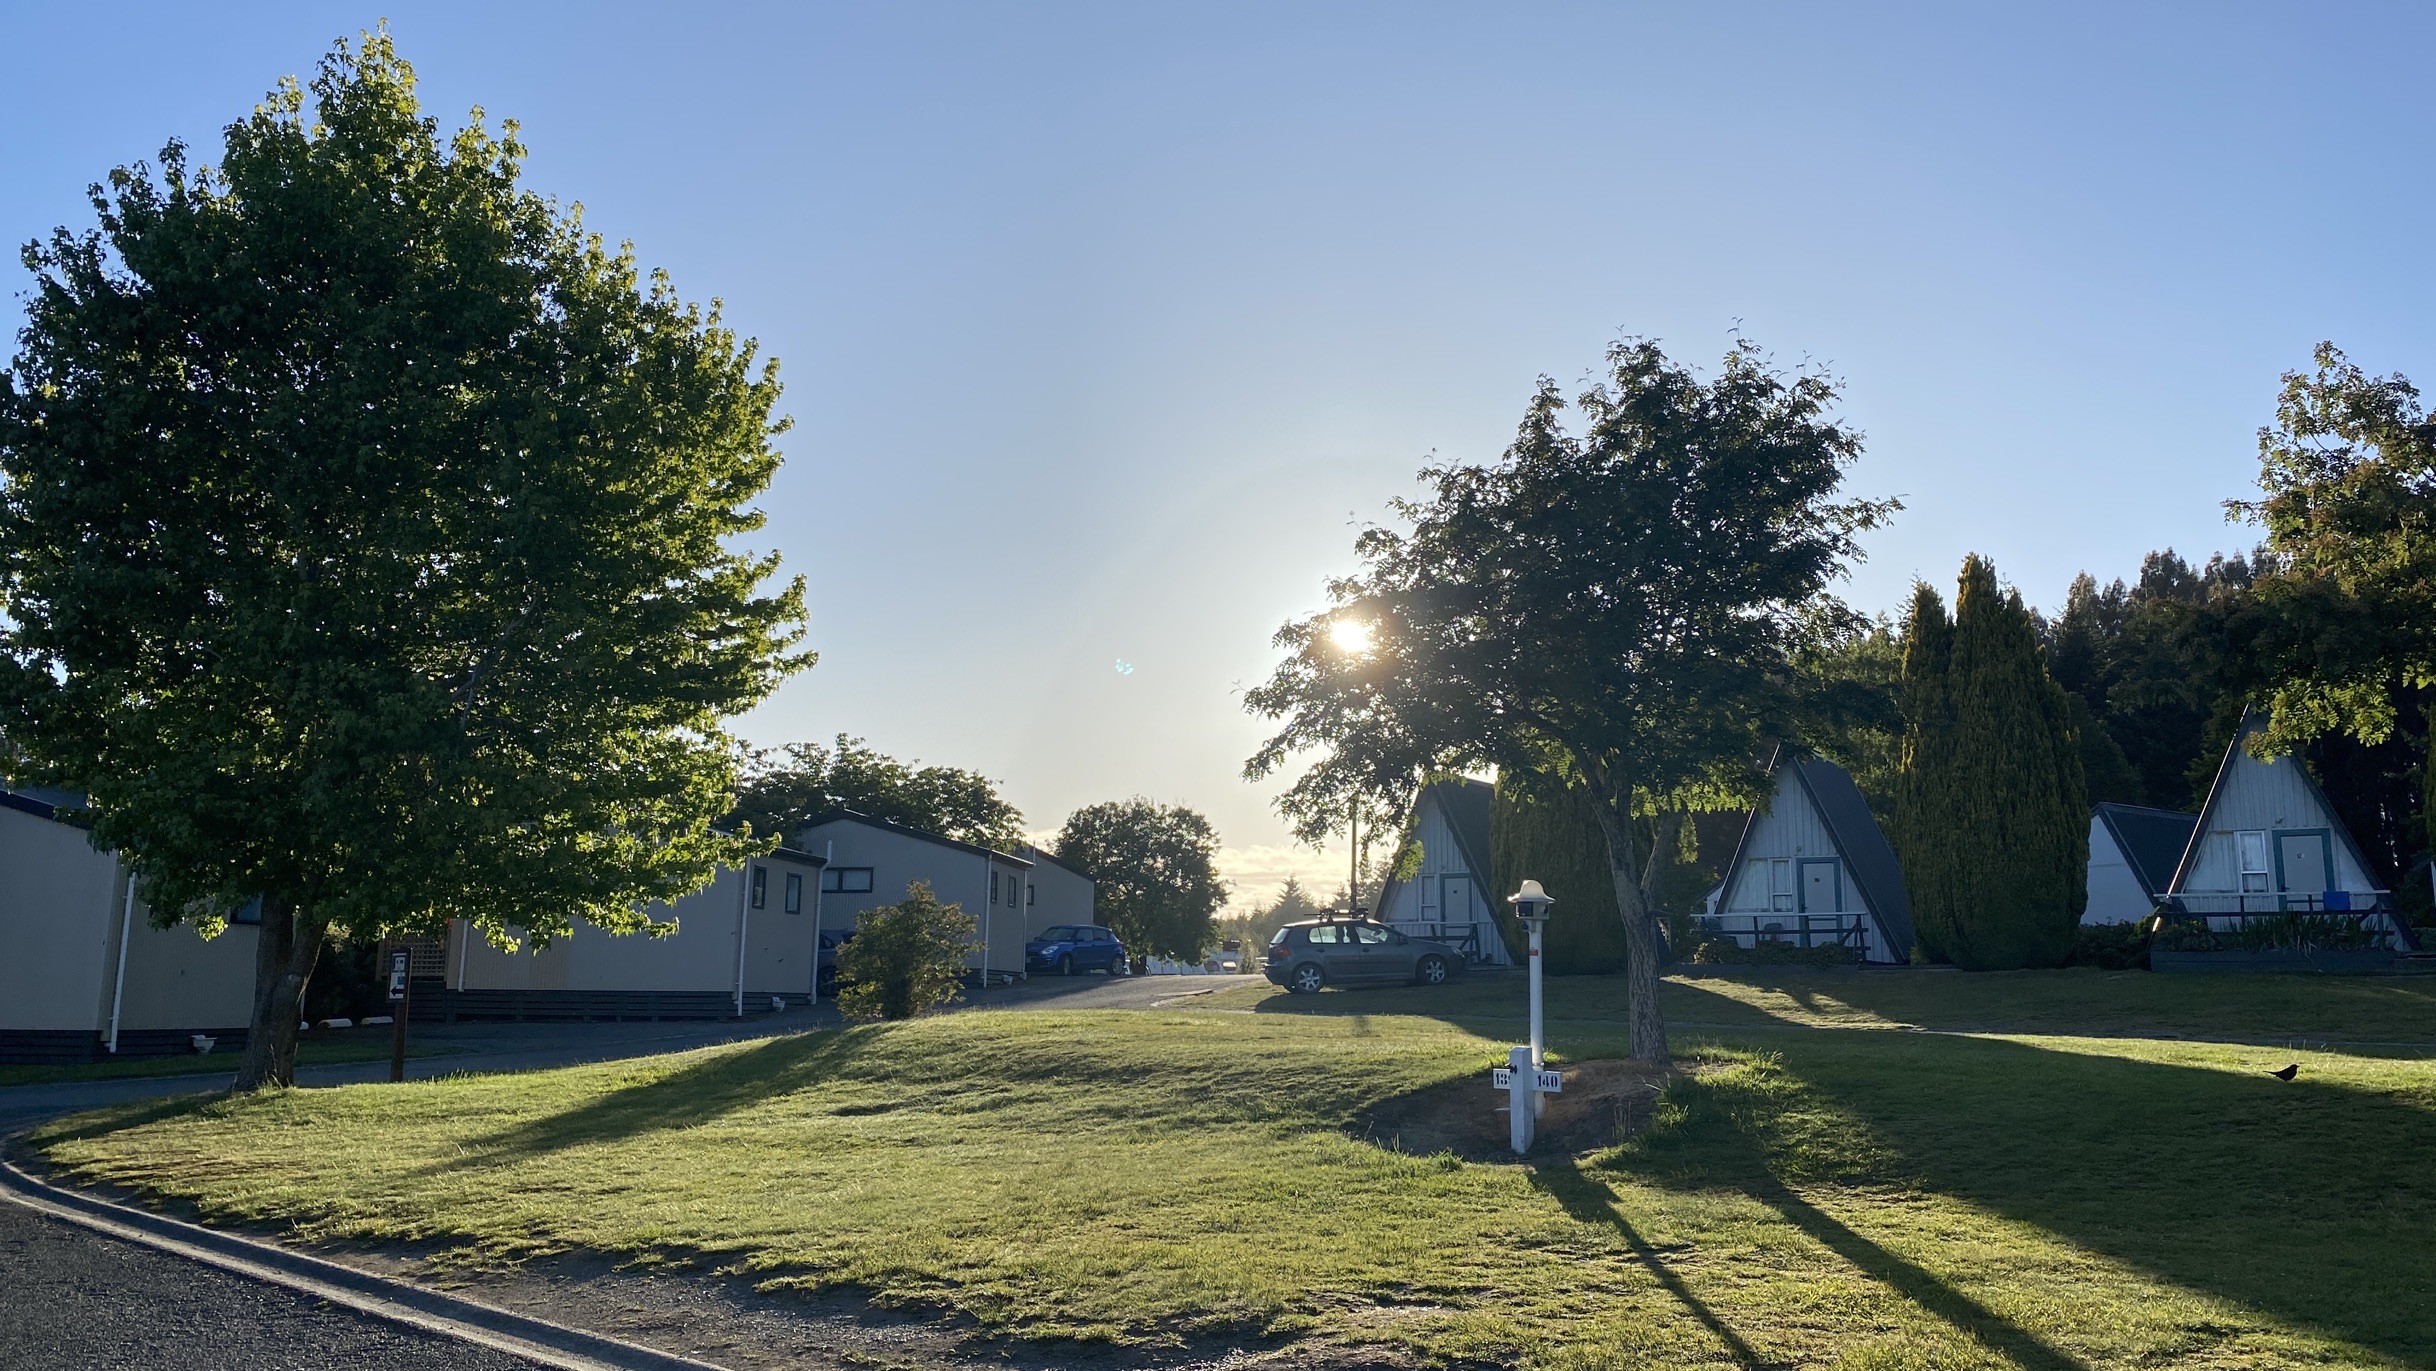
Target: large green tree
(369, 540)
(1993, 810)
(2349, 481)
(1154, 870)
(1620, 605)
(804, 781)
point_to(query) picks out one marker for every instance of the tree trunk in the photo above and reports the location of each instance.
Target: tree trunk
(284, 958)
(1666, 842)
(1640, 937)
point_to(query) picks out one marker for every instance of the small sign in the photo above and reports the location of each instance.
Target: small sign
(397, 976)
(1548, 1082)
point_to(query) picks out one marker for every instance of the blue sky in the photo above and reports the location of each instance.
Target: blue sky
(1104, 326)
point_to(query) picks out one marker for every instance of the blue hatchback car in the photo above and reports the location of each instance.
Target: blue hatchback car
(1068, 948)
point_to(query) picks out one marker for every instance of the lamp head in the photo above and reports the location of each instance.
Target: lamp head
(1531, 902)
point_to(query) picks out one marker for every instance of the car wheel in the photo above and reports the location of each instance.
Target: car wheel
(1307, 979)
(1065, 964)
(1431, 971)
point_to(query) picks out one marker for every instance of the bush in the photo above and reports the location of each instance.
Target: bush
(1727, 952)
(2112, 947)
(904, 959)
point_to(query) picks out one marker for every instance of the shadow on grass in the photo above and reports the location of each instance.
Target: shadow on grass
(1589, 1201)
(118, 1117)
(690, 1095)
(2304, 1202)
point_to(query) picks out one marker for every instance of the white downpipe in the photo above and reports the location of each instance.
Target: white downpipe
(465, 941)
(118, 983)
(744, 919)
(820, 880)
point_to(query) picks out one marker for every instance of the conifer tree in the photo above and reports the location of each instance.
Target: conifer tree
(1546, 830)
(1923, 836)
(2013, 799)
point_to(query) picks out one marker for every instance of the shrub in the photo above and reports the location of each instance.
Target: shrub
(1727, 952)
(904, 959)
(2112, 947)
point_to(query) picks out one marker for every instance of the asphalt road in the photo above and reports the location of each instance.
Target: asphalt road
(73, 1300)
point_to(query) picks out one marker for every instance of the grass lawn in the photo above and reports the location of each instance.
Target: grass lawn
(327, 1049)
(1818, 1198)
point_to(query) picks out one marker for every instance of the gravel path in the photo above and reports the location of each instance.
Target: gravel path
(72, 1299)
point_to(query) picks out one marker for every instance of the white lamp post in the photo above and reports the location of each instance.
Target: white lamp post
(1523, 1064)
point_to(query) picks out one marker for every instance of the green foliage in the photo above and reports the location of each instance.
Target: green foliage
(1156, 874)
(2109, 773)
(1547, 832)
(1994, 815)
(1253, 930)
(1622, 603)
(369, 537)
(2294, 931)
(905, 959)
(804, 782)
(2160, 666)
(2113, 947)
(1854, 677)
(2349, 475)
(1729, 952)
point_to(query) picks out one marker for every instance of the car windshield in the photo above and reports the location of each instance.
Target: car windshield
(1059, 934)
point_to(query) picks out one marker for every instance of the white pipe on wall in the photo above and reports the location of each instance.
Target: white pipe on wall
(118, 984)
(744, 918)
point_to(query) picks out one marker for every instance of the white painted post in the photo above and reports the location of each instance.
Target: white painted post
(1531, 906)
(1538, 1039)
(1522, 1099)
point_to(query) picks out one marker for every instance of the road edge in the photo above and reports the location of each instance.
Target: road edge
(432, 1311)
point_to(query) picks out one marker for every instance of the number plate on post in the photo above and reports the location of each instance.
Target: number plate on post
(1545, 1082)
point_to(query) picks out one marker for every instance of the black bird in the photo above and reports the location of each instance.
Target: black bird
(2287, 1073)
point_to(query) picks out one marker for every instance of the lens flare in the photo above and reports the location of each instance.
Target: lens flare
(1350, 635)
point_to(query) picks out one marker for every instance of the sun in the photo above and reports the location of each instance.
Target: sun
(1351, 636)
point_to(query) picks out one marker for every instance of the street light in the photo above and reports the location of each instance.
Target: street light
(1525, 1078)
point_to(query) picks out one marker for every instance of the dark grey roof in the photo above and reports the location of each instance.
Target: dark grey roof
(1467, 803)
(2152, 841)
(1863, 846)
(1042, 855)
(892, 826)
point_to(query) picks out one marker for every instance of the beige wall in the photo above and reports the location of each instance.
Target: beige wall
(700, 955)
(175, 979)
(958, 875)
(59, 922)
(1055, 895)
(61, 907)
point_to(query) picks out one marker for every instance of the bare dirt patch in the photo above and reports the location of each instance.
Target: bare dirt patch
(1603, 1103)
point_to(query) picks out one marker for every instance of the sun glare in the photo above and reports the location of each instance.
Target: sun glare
(1350, 635)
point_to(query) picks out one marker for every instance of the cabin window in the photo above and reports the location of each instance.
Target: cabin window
(1031, 895)
(846, 880)
(795, 892)
(761, 886)
(2253, 847)
(993, 887)
(1780, 883)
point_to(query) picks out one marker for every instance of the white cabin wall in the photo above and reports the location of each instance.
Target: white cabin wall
(2267, 795)
(2115, 896)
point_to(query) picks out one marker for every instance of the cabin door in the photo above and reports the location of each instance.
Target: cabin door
(1455, 899)
(2304, 867)
(1822, 892)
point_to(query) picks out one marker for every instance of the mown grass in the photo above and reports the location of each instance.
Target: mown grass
(1853, 1199)
(336, 1050)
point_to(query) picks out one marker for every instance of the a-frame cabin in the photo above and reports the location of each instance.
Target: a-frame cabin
(1448, 898)
(1814, 870)
(2132, 854)
(2267, 842)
